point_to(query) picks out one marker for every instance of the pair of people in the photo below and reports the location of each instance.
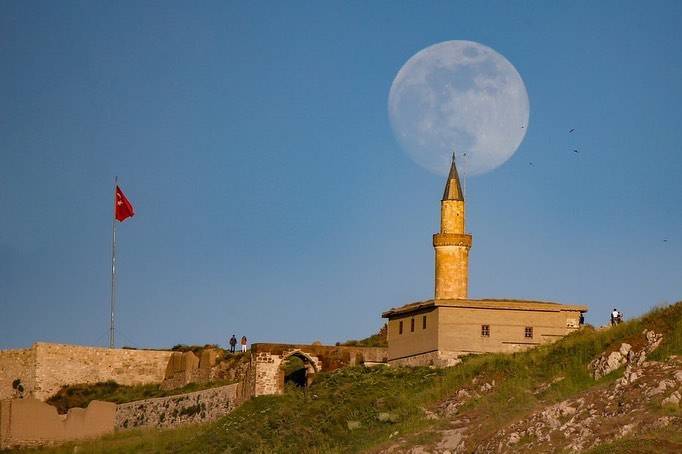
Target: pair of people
(233, 343)
(616, 317)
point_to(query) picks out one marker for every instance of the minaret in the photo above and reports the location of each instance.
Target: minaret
(452, 244)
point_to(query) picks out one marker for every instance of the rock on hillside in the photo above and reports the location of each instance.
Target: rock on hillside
(599, 415)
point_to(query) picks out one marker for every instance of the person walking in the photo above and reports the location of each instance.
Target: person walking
(244, 341)
(233, 343)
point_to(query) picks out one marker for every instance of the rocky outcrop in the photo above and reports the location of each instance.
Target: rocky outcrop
(451, 406)
(598, 415)
(625, 355)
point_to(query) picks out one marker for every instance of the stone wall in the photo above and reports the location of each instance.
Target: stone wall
(434, 358)
(457, 326)
(269, 378)
(58, 365)
(44, 368)
(173, 411)
(209, 366)
(30, 422)
(16, 364)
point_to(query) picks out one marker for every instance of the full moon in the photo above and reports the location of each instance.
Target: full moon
(461, 97)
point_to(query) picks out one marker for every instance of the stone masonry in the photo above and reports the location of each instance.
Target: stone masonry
(30, 422)
(452, 243)
(16, 365)
(199, 406)
(45, 368)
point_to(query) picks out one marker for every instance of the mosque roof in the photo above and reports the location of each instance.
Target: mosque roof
(504, 304)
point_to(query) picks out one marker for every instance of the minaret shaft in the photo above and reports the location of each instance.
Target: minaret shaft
(452, 243)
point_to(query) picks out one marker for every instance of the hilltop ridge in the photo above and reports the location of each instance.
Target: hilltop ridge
(596, 390)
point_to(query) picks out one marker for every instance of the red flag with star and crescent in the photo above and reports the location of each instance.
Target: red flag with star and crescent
(124, 209)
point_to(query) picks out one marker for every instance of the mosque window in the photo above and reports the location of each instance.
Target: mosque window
(412, 325)
(400, 327)
(424, 322)
(485, 330)
(529, 331)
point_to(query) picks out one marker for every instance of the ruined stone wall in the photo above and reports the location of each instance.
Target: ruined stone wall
(16, 364)
(247, 387)
(30, 422)
(173, 411)
(264, 374)
(59, 364)
(185, 368)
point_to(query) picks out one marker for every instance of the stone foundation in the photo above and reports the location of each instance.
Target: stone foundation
(435, 359)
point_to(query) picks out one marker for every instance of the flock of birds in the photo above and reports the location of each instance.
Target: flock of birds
(575, 150)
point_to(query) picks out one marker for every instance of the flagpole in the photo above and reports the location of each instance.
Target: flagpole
(112, 338)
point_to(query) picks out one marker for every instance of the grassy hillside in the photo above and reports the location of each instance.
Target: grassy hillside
(358, 409)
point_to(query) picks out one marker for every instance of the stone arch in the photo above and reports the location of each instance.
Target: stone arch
(310, 364)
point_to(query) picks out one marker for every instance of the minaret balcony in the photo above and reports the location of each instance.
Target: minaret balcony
(452, 239)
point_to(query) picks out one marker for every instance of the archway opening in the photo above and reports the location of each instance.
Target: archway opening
(296, 370)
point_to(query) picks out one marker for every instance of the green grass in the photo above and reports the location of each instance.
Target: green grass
(316, 420)
(379, 339)
(110, 391)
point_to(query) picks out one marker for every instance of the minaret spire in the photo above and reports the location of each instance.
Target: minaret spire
(452, 243)
(453, 187)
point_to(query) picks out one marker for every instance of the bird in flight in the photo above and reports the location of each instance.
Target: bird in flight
(572, 129)
(530, 163)
(576, 151)
(665, 241)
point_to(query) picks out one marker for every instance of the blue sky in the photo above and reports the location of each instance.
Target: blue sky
(272, 198)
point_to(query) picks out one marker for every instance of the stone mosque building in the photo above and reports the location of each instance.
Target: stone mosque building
(438, 331)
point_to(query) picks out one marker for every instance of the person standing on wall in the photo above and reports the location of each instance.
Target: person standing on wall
(244, 341)
(233, 343)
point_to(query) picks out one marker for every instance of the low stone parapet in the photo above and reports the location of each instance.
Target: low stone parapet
(173, 411)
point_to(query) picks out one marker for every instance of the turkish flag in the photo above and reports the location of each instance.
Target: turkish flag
(123, 208)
